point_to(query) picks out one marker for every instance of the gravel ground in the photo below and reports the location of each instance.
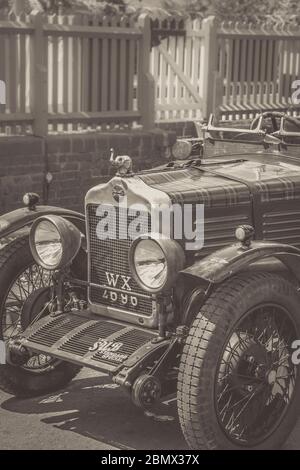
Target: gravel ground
(91, 413)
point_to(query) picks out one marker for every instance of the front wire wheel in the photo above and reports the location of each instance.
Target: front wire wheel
(237, 383)
(256, 377)
(28, 281)
(21, 279)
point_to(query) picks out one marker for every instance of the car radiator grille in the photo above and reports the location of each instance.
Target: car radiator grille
(110, 258)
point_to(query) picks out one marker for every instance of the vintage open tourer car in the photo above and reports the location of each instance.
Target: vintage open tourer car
(183, 279)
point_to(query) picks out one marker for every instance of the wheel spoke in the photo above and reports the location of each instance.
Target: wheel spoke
(233, 418)
(256, 378)
(30, 279)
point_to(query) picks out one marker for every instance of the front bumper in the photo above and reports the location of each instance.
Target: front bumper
(92, 341)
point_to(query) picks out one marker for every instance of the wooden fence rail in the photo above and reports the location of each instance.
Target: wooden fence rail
(232, 69)
(256, 69)
(75, 72)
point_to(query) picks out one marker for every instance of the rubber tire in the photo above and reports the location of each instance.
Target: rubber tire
(14, 258)
(207, 337)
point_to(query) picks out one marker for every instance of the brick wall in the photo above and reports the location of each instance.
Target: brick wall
(76, 163)
(21, 170)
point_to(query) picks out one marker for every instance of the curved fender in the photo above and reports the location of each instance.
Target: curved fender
(16, 220)
(224, 263)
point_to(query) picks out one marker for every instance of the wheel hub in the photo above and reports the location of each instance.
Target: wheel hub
(271, 377)
(246, 363)
(256, 377)
(34, 306)
(146, 391)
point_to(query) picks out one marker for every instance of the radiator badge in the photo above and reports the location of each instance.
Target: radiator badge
(118, 192)
(108, 350)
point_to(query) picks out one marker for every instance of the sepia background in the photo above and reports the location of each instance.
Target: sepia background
(82, 77)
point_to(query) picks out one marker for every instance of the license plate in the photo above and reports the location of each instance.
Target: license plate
(122, 298)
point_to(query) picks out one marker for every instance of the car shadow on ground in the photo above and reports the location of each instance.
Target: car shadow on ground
(95, 408)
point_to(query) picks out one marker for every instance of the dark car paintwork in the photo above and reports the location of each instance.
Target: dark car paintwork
(263, 190)
(20, 218)
(226, 262)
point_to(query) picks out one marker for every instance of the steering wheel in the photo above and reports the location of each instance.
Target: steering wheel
(274, 115)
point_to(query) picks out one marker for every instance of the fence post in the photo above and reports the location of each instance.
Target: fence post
(40, 78)
(218, 94)
(210, 65)
(18, 6)
(146, 82)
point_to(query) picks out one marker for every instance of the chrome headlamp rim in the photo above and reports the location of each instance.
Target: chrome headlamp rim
(182, 149)
(70, 239)
(30, 200)
(175, 261)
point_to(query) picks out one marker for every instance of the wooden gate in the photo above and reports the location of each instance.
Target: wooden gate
(177, 65)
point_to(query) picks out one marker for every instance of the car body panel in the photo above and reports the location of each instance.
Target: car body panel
(20, 218)
(225, 263)
(260, 189)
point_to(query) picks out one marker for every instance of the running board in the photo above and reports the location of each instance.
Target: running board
(89, 340)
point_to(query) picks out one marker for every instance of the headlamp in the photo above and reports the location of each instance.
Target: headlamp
(182, 149)
(54, 241)
(31, 200)
(244, 234)
(155, 262)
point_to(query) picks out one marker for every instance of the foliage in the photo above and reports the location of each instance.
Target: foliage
(288, 11)
(241, 9)
(97, 6)
(279, 11)
(4, 4)
(67, 6)
(284, 11)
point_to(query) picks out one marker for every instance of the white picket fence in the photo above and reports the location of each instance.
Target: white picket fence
(232, 69)
(74, 72)
(71, 73)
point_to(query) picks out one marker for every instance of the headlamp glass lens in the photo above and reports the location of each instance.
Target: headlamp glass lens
(150, 264)
(182, 149)
(48, 243)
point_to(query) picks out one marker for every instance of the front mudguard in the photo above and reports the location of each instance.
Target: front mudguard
(22, 218)
(221, 265)
(227, 262)
(18, 222)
